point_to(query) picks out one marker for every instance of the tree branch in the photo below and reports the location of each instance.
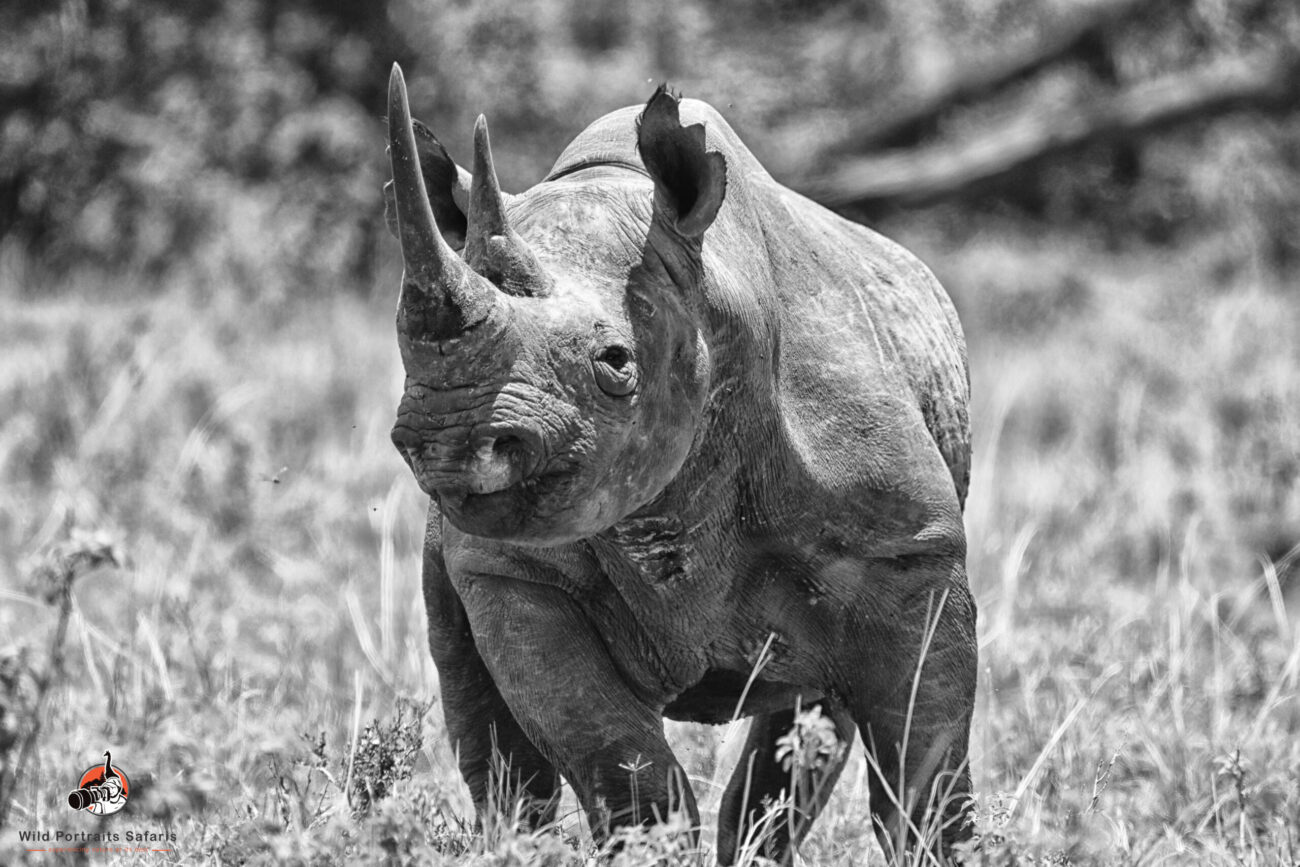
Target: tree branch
(904, 120)
(949, 169)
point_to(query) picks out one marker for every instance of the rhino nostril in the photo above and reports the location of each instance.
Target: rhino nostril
(406, 439)
(508, 446)
(519, 451)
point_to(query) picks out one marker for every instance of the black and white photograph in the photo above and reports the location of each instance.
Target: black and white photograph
(589, 432)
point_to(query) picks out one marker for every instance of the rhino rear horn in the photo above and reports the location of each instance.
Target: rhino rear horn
(441, 295)
(491, 247)
(487, 205)
(690, 182)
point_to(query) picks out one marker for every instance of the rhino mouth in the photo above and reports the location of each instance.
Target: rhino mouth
(490, 483)
(503, 513)
(490, 464)
(462, 496)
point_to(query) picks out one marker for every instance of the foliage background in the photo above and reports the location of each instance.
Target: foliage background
(198, 370)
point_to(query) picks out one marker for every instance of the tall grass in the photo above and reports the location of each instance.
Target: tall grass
(1134, 525)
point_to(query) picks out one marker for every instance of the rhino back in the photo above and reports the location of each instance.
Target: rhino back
(855, 319)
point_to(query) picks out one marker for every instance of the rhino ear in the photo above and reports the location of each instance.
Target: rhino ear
(690, 182)
(446, 182)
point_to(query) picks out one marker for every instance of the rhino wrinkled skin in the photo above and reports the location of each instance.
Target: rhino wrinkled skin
(678, 422)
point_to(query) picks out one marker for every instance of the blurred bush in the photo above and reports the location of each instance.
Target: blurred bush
(136, 133)
(242, 139)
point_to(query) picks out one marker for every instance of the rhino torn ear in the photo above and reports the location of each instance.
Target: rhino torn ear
(690, 182)
(447, 183)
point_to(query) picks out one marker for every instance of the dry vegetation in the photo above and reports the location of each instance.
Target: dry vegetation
(256, 660)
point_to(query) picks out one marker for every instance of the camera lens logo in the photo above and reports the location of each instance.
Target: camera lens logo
(103, 789)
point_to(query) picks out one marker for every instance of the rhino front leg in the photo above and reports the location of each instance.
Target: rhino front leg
(760, 780)
(484, 734)
(554, 672)
(916, 727)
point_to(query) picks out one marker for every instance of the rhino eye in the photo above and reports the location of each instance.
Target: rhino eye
(616, 357)
(615, 371)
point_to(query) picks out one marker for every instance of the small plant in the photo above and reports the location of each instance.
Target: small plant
(663, 844)
(304, 802)
(385, 755)
(634, 769)
(24, 692)
(18, 699)
(1235, 769)
(810, 745)
(414, 826)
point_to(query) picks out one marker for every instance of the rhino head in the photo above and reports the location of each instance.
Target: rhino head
(556, 366)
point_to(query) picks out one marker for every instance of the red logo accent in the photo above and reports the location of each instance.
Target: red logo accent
(102, 790)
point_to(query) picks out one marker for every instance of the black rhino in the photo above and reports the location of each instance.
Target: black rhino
(672, 415)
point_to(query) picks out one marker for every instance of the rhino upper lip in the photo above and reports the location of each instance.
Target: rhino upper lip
(498, 458)
(457, 496)
(458, 488)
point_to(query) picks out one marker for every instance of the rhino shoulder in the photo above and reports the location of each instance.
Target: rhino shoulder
(870, 338)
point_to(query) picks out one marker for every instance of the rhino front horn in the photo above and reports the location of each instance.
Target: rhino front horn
(441, 296)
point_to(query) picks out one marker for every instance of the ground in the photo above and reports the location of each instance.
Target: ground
(211, 472)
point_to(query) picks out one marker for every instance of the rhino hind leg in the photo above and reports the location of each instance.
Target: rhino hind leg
(925, 804)
(760, 781)
(916, 731)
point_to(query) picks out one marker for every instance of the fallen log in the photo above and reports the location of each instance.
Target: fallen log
(920, 175)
